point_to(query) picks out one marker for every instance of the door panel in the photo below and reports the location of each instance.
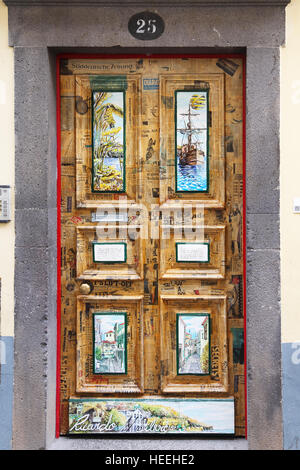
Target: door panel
(178, 264)
(212, 379)
(91, 265)
(88, 380)
(152, 321)
(88, 193)
(212, 193)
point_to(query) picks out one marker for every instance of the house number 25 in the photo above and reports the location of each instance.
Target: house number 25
(146, 26)
(143, 26)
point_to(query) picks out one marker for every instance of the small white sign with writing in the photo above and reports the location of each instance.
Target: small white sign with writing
(296, 205)
(192, 252)
(4, 203)
(109, 217)
(109, 252)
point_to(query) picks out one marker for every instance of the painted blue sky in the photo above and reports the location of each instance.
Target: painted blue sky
(218, 414)
(193, 324)
(108, 321)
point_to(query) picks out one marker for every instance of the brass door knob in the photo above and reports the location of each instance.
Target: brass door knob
(85, 288)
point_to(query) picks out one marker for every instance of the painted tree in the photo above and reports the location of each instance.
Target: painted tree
(106, 142)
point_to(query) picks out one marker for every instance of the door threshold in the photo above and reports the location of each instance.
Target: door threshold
(119, 444)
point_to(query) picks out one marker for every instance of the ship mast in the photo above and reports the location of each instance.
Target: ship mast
(189, 126)
(189, 130)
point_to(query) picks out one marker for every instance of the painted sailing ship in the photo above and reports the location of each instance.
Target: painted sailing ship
(190, 152)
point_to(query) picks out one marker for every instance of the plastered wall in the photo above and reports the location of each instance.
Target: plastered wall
(7, 233)
(290, 175)
(6, 175)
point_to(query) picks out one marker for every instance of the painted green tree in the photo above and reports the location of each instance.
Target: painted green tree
(205, 359)
(114, 416)
(98, 353)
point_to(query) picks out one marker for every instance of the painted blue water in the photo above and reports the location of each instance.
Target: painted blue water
(114, 162)
(192, 177)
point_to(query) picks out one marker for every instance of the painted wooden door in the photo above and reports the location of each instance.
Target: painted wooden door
(151, 321)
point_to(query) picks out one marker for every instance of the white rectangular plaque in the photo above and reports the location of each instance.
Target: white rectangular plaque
(109, 217)
(109, 252)
(296, 205)
(192, 252)
(4, 203)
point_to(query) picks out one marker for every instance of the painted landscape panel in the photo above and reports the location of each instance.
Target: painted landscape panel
(191, 122)
(151, 416)
(110, 343)
(193, 344)
(108, 141)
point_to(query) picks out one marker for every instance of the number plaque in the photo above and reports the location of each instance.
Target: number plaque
(146, 26)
